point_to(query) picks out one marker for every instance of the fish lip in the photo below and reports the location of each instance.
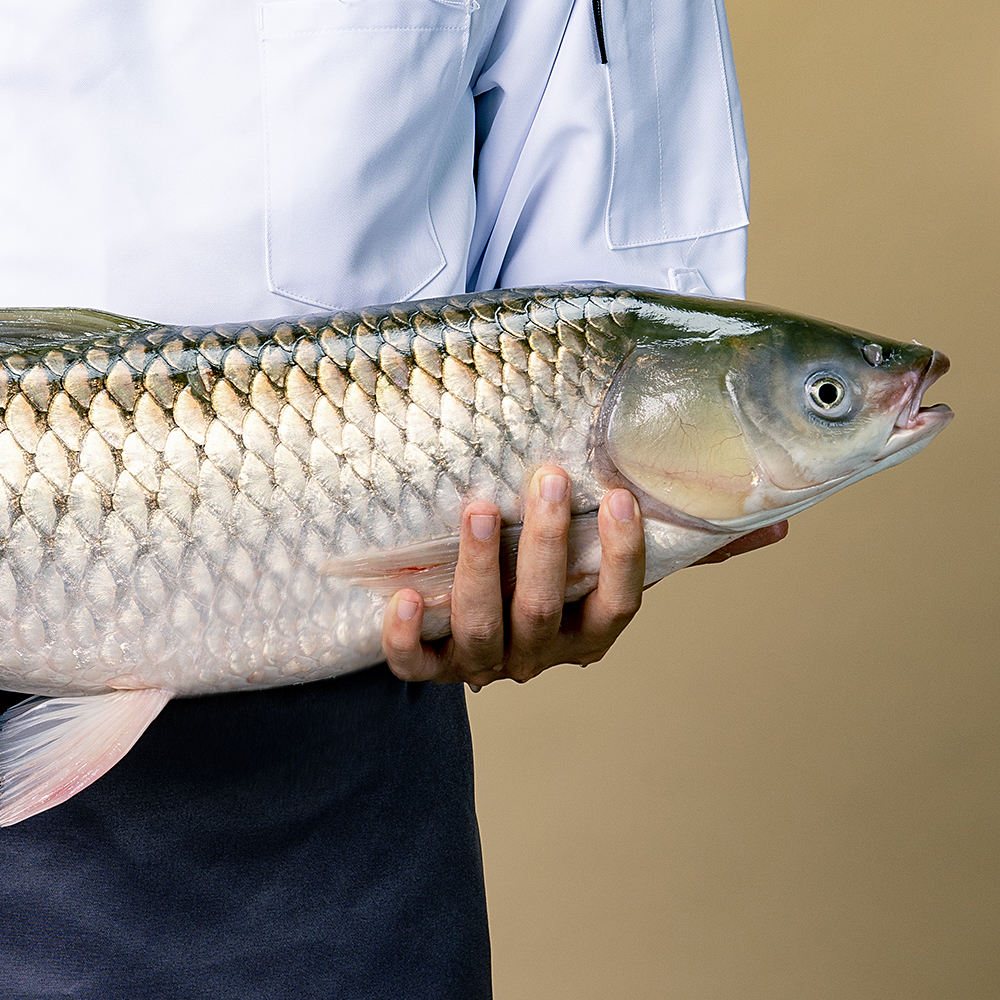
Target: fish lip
(915, 423)
(912, 416)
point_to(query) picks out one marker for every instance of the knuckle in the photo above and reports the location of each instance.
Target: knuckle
(539, 614)
(547, 521)
(402, 651)
(396, 647)
(477, 653)
(550, 533)
(479, 635)
(478, 561)
(478, 629)
(613, 626)
(480, 632)
(622, 611)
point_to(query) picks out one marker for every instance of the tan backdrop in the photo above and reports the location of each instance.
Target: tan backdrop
(783, 783)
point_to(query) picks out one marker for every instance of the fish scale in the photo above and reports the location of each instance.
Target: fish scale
(170, 496)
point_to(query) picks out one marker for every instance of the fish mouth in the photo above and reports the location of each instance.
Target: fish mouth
(914, 421)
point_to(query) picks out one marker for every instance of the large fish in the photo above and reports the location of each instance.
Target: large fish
(192, 510)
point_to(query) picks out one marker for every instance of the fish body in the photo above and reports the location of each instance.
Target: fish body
(186, 511)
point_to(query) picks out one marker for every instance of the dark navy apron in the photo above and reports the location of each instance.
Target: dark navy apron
(303, 842)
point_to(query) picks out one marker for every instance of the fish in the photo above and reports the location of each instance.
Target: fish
(193, 510)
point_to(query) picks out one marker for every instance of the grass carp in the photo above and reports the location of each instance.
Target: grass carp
(193, 510)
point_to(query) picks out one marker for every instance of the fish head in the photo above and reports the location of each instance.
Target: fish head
(764, 415)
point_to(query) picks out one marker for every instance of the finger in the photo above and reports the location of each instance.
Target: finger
(536, 607)
(608, 609)
(408, 659)
(755, 540)
(477, 625)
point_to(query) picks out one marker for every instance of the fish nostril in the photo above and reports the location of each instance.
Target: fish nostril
(873, 354)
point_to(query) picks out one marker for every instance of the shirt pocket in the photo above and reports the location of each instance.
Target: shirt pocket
(680, 166)
(356, 96)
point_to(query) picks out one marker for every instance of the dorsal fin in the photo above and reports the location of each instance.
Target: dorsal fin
(45, 329)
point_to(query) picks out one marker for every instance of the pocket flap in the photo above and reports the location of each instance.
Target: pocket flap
(691, 159)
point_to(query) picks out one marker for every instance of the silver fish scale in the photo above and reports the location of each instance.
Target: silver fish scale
(169, 499)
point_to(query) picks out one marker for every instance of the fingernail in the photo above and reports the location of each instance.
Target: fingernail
(483, 525)
(622, 505)
(553, 487)
(406, 609)
(475, 688)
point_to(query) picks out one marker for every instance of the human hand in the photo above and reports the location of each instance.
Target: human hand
(536, 630)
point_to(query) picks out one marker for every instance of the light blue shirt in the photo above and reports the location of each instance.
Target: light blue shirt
(199, 162)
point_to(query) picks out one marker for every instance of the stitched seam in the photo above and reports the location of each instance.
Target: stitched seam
(690, 250)
(729, 106)
(455, 98)
(330, 31)
(614, 156)
(268, 259)
(680, 238)
(659, 121)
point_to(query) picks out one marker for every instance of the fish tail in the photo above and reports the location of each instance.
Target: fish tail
(52, 748)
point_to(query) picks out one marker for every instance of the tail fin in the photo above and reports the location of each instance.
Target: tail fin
(51, 748)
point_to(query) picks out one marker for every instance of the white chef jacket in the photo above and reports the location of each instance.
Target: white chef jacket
(194, 162)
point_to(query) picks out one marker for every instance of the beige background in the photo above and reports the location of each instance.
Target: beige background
(784, 781)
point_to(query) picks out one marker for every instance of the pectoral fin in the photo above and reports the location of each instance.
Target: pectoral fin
(429, 567)
(51, 748)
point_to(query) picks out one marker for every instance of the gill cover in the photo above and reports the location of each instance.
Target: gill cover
(670, 429)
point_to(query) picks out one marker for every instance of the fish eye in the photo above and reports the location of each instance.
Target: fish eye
(828, 395)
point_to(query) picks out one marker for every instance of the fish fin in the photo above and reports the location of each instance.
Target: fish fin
(51, 748)
(47, 329)
(429, 567)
